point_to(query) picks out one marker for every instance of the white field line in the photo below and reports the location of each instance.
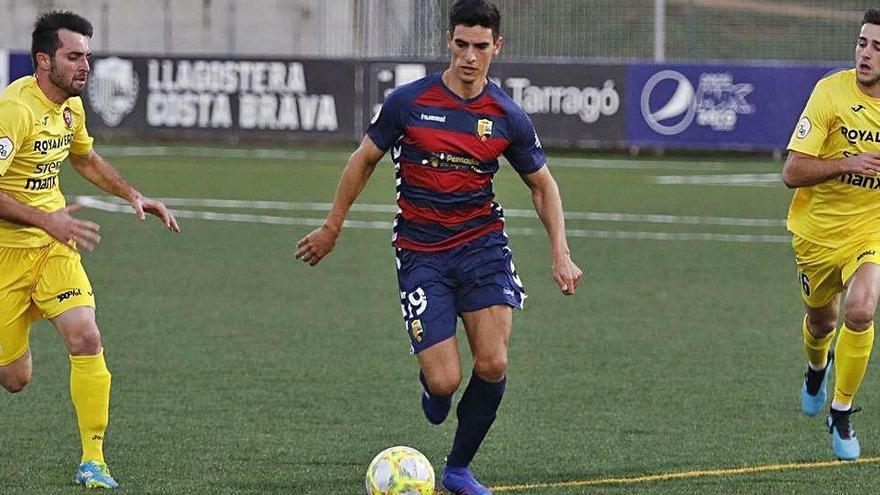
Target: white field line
(759, 180)
(119, 206)
(509, 213)
(282, 154)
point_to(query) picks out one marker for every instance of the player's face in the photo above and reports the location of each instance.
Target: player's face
(70, 65)
(472, 50)
(868, 55)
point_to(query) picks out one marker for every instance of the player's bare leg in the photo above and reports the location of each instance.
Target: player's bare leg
(488, 332)
(89, 391)
(16, 375)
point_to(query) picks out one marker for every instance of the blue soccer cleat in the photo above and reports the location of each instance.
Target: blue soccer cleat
(843, 437)
(95, 474)
(460, 481)
(812, 404)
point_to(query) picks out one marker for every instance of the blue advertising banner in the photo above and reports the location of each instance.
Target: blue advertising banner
(20, 65)
(716, 106)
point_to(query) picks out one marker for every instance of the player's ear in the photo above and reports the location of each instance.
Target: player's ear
(44, 61)
(498, 44)
(449, 40)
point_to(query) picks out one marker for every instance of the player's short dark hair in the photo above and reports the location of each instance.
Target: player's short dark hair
(45, 36)
(872, 16)
(475, 13)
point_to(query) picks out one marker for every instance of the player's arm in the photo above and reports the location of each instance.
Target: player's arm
(94, 168)
(548, 205)
(319, 242)
(60, 224)
(801, 170)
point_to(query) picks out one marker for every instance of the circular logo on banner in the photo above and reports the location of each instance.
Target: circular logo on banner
(668, 113)
(113, 89)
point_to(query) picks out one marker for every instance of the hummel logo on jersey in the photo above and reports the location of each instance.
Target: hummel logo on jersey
(857, 108)
(433, 118)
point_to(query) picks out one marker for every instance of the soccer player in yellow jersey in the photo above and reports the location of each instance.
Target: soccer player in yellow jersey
(41, 123)
(833, 161)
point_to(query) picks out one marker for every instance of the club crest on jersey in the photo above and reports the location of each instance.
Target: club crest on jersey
(484, 129)
(68, 117)
(417, 331)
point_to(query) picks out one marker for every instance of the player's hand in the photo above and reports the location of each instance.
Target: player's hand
(864, 164)
(567, 274)
(143, 205)
(71, 231)
(316, 244)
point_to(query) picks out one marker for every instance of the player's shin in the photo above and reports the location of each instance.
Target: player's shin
(90, 394)
(851, 361)
(817, 349)
(476, 413)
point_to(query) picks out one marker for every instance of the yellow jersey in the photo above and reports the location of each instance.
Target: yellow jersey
(839, 121)
(36, 135)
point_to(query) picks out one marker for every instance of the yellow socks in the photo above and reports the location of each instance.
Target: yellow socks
(850, 362)
(817, 349)
(90, 393)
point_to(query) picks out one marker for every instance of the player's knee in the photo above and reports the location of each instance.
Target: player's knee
(859, 313)
(821, 327)
(86, 343)
(859, 318)
(16, 383)
(445, 384)
(491, 368)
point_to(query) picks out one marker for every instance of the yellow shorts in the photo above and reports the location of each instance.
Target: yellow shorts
(37, 283)
(824, 271)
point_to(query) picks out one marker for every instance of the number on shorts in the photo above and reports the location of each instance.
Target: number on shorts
(805, 283)
(414, 303)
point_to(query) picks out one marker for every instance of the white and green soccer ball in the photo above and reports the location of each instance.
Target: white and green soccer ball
(400, 471)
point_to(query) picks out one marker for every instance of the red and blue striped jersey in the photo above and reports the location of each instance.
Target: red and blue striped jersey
(445, 153)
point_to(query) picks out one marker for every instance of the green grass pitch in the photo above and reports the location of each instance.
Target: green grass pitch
(237, 370)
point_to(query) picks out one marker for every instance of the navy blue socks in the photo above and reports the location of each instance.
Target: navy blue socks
(436, 407)
(476, 413)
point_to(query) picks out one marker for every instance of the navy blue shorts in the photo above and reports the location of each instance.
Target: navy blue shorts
(435, 288)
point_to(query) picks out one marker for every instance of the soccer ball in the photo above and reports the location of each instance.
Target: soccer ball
(400, 471)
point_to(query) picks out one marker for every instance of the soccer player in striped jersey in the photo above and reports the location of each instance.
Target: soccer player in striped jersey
(446, 132)
(42, 123)
(833, 161)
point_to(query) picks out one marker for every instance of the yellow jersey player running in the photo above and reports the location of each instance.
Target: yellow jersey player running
(41, 123)
(833, 161)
